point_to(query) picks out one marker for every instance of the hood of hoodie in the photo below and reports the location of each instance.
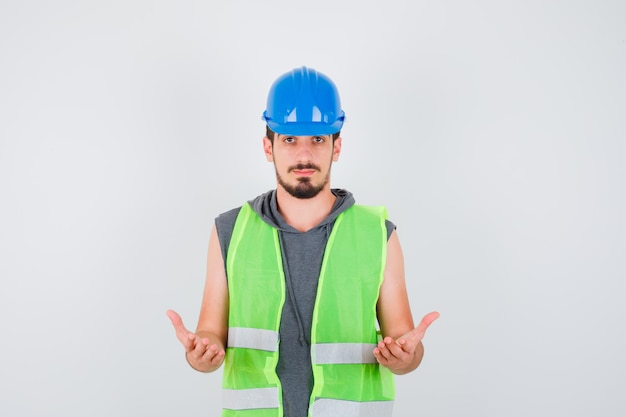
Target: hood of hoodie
(266, 206)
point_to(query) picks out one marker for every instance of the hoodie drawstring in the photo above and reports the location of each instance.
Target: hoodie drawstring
(290, 293)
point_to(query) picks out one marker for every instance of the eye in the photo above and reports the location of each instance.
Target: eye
(289, 139)
(319, 139)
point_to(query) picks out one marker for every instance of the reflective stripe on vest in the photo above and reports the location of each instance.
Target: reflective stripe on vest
(245, 337)
(336, 353)
(328, 407)
(249, 399)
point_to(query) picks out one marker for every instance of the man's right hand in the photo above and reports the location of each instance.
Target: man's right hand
(201, 353)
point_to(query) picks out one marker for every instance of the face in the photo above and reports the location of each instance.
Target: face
(302, 163)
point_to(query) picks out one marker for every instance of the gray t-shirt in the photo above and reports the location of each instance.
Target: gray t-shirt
(302, 260)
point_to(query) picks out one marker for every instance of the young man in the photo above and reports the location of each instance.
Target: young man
(299, 278)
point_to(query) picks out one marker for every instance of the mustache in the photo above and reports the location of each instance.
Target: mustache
(304, 166)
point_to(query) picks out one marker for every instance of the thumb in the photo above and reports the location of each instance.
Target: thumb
(184, 336)
(419, 332)
(177, 322)
(428, 319)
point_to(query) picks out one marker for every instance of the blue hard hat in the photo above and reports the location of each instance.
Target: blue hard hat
(304, 102)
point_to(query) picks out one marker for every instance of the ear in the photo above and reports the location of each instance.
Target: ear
(267, 149)
(336, 149)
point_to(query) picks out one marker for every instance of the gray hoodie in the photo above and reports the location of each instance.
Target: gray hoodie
(302, 260)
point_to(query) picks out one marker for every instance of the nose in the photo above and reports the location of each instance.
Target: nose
(304, 151)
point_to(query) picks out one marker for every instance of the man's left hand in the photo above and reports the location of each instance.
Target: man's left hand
(404, 354)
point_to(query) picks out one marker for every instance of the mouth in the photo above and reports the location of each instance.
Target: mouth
(303, 172)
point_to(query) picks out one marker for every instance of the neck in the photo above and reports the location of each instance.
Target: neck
(304, 214)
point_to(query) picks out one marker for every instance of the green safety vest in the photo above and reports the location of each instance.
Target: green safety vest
(348, 381)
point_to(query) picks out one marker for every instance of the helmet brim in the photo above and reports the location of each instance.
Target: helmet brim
(305, 129)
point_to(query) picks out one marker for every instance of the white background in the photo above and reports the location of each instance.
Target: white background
(494, 132)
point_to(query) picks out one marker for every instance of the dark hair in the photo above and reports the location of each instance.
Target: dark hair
(270, 134)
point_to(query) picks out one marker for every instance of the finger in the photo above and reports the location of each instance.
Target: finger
(176, 320)
(196, 350)
(408, 344)
(201, 344)
(428, 319)
(213, 355)
(418, 333)
(381, 359)
(188, 341)
(383, 348)
(379, 356)
(378, 353)
(219, 358)
(184, 335)
(209, 353)
(396, 349)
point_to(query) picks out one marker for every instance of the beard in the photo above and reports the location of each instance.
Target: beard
(304, 188)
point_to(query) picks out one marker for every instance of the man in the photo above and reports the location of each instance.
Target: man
(299, 277)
